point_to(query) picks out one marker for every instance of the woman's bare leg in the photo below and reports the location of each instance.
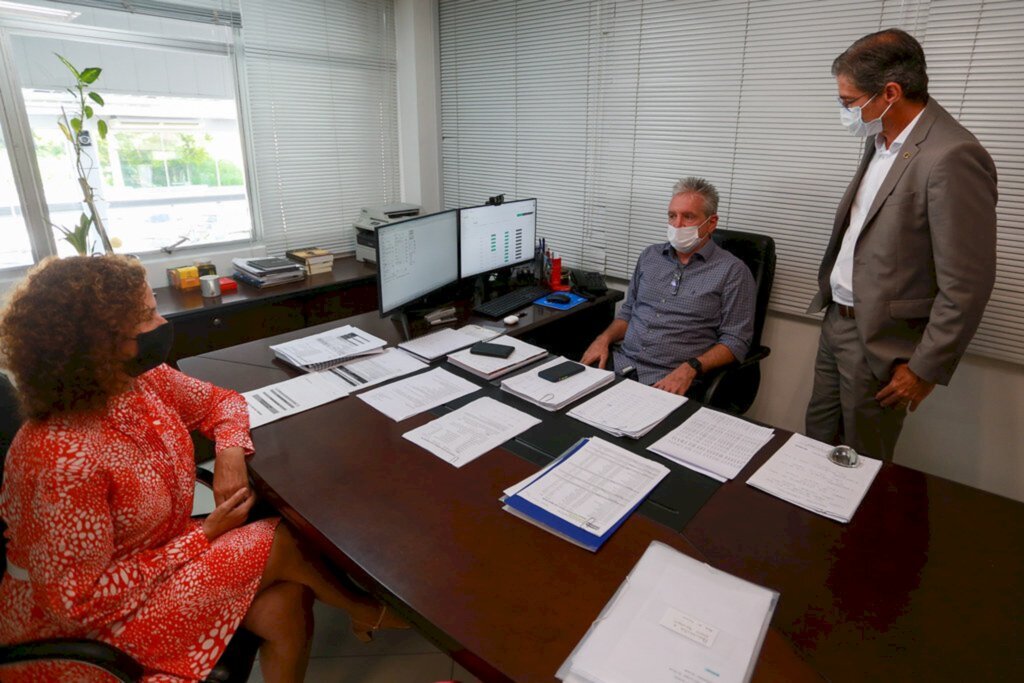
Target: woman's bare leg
(282, 615)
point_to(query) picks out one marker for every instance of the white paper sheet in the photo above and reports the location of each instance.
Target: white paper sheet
(411, 396)
(713, 443)
(556, 395)
(443, 342)
(366, 371)
(801, 473)
(675, 619)
(319, 351)
(490, 367)
(465, 434)
(627, 409)
(596, 486)
(293, 396)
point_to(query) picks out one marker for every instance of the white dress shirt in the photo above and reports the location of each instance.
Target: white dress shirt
(841, 279)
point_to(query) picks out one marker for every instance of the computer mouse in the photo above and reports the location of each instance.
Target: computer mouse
(558, 298)
(511, 319)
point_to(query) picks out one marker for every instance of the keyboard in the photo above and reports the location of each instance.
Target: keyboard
(513, 301)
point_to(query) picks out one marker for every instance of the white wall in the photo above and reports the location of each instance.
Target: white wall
(971, 431)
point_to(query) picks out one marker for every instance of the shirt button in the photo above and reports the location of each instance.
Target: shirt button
(662, 301)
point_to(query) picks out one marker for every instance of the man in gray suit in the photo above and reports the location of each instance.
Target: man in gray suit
(911, 262)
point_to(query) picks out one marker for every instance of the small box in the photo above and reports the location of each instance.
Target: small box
(205, 268)
(185, 277)
(228, 285)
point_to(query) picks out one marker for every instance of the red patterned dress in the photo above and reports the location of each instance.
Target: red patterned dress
(100, 539)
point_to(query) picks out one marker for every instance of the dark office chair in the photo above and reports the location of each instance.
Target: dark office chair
(734, 387)
(234, 666)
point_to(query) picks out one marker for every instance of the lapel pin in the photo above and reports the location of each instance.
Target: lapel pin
(906, 155)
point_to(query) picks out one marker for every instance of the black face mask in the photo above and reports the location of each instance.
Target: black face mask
(153, 349)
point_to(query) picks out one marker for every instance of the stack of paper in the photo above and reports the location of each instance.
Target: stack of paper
(713, 443)
(801, 473)
(490, 367)
(675, 619)
(267, 272)
(327, 349)
(556, 395)
(413, 395)
(587, 493)
(627, 409)
(467, 433)
(443, 342)
(293, 396)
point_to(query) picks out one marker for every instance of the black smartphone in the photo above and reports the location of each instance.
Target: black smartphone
(489, 349)
(559, 372)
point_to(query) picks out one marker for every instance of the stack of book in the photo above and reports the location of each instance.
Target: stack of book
(314, 259)
(267, 272)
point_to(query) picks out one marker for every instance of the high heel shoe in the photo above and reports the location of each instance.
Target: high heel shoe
(363, 631)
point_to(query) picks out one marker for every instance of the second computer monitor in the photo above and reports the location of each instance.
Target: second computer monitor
(492, 237)
(416, 257)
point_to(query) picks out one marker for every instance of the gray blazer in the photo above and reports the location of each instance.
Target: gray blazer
(925, 261)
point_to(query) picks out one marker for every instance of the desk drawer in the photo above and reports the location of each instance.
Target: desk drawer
(198, 334)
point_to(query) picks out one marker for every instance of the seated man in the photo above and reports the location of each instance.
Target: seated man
(690, 304)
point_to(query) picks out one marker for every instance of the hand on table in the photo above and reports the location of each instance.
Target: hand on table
(678, 381)
(597, 352)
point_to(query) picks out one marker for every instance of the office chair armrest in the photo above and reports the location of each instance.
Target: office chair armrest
(204, 477)
(720, 375)
(92, 652)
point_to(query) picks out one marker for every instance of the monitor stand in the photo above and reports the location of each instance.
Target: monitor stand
(438, 316)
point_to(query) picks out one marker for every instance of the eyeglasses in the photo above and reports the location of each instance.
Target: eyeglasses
(676, 280)
(847, 102)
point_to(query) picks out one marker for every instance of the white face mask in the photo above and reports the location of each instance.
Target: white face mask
(855, 125)
(684, 239)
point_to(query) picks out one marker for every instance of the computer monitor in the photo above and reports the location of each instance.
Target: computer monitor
(416, 257)
(492, 237)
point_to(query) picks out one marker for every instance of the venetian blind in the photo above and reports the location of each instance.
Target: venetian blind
(322, 108)
(598, 107)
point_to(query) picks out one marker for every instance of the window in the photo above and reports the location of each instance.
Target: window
(170, 171)
(15, 249)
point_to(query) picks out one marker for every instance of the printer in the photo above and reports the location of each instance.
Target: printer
(371, 218)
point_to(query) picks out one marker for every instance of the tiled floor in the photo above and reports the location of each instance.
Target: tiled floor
(392, 657)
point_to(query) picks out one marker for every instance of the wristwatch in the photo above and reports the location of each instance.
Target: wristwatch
(696, 365)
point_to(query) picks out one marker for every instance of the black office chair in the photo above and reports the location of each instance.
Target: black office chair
(733, 388)
(234, 666)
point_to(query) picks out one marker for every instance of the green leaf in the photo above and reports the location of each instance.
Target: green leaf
(70, 67)
(87, 110)
(101, 126)
(67, 133)
(91, 74)
(76, 125)
(95, 97)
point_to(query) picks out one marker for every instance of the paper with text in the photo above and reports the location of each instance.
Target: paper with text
(465, 434)
(293, 396)
(627, 409)
(675, 619)
(801, 473)
(413, 395)
(713, 443)
(556, 395)
(443, 342)
(364, 372)
(322, 350)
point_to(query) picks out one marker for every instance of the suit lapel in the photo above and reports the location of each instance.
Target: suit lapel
(907, 155)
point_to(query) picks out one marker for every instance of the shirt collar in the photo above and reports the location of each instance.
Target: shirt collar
(900, 139)
(704, 252)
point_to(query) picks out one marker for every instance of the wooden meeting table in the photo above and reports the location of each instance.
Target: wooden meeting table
(926, 582)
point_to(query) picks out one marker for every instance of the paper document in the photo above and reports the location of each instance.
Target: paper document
(467, 433)
(675, 619)
(627, 409)
(367, 371)
(556, 395)
(441, 343)
(490, 367)
(412, 395)
(587, 495)
(326, 349)
(713, 443)
(801, 473)
(293, 396)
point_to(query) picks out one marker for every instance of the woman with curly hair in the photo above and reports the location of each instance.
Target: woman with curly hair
(98, 486)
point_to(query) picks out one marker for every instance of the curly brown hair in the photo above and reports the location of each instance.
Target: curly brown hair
(63, 328)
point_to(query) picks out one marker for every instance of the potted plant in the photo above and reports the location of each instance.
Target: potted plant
(77, 134)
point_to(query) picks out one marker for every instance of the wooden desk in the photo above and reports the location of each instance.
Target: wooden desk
(203, 325)
(924, 584)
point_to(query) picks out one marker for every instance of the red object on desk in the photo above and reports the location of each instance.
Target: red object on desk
(228, 285)
(556, 275)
